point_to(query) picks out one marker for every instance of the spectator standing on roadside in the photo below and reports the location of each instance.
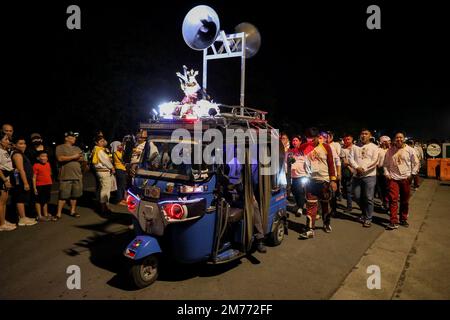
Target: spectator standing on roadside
(121, 172)
(6, 172)
(9, 131)
(36, 147)
(21, 193)
(42, 186)
(105, 171)
(70, 158)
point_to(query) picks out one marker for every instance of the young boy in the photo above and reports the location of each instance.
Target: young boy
(42, 184)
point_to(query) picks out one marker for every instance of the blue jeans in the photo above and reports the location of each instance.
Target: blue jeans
(347, 186)
(298, 190)
(363, 191)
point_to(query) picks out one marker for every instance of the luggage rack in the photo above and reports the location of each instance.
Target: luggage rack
(251, 117)
(229, 116)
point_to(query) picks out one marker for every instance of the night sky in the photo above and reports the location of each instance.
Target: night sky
(318, 65)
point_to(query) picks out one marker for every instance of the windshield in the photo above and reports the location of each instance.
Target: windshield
(165, 158)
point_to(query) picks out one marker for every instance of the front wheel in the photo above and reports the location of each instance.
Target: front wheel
(277, 236)
(145, 271)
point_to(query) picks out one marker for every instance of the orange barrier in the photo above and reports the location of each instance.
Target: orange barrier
(445, 169)
(431, 167)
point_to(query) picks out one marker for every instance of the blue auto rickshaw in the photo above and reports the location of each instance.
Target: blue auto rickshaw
(180, 210)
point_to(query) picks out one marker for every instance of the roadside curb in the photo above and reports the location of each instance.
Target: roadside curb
(390, 252)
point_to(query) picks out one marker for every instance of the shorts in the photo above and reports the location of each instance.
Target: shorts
(19, 195)
(70, 189)
(6, 174)
(44, 192)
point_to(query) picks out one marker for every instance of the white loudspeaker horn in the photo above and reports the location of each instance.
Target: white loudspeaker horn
(252, 38)
(201, 27)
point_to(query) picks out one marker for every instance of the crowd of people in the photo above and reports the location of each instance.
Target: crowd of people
(321, 171)
(28, 172)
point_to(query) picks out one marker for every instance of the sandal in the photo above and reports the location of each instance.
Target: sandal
(56, 218)
(44, 218)
(75, 215)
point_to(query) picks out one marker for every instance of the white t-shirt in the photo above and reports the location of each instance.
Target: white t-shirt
(365, 157)
(345, 156)
(400, 163)
(298, 169)
(5, 161)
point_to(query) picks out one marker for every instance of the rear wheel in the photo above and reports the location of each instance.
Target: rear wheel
(277, 235)
(145, 271)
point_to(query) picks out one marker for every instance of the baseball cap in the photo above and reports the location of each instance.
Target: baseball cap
(71, 134)
(35, 136)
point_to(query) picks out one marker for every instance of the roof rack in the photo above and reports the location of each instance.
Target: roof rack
(240, 112)
(230, 115)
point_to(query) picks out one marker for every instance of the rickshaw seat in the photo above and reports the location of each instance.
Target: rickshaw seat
(235, 214)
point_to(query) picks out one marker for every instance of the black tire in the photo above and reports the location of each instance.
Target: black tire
(145, 271)
(277, 236)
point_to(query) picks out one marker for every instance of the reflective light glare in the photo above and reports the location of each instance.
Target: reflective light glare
(304, 180)
(199, 110)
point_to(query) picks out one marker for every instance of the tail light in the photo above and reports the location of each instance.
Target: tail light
(132, 202)
(175, 211)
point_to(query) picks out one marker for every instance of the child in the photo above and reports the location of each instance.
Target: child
(42, 183)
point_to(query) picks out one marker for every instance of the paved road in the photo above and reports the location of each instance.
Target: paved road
(34, 261)
(427, 269)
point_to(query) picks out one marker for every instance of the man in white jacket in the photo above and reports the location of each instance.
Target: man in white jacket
(364, 161)
(400, 164)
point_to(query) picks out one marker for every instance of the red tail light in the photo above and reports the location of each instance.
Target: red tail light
(175, 211)
(132, 203)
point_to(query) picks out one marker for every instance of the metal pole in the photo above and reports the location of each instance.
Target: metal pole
(243, 74)
(205, 69)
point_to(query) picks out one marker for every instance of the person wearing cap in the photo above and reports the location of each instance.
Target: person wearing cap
(364, 160)
(70, 158)
(382, 187)
(319, 165)
(400, 164)
(37, 146)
